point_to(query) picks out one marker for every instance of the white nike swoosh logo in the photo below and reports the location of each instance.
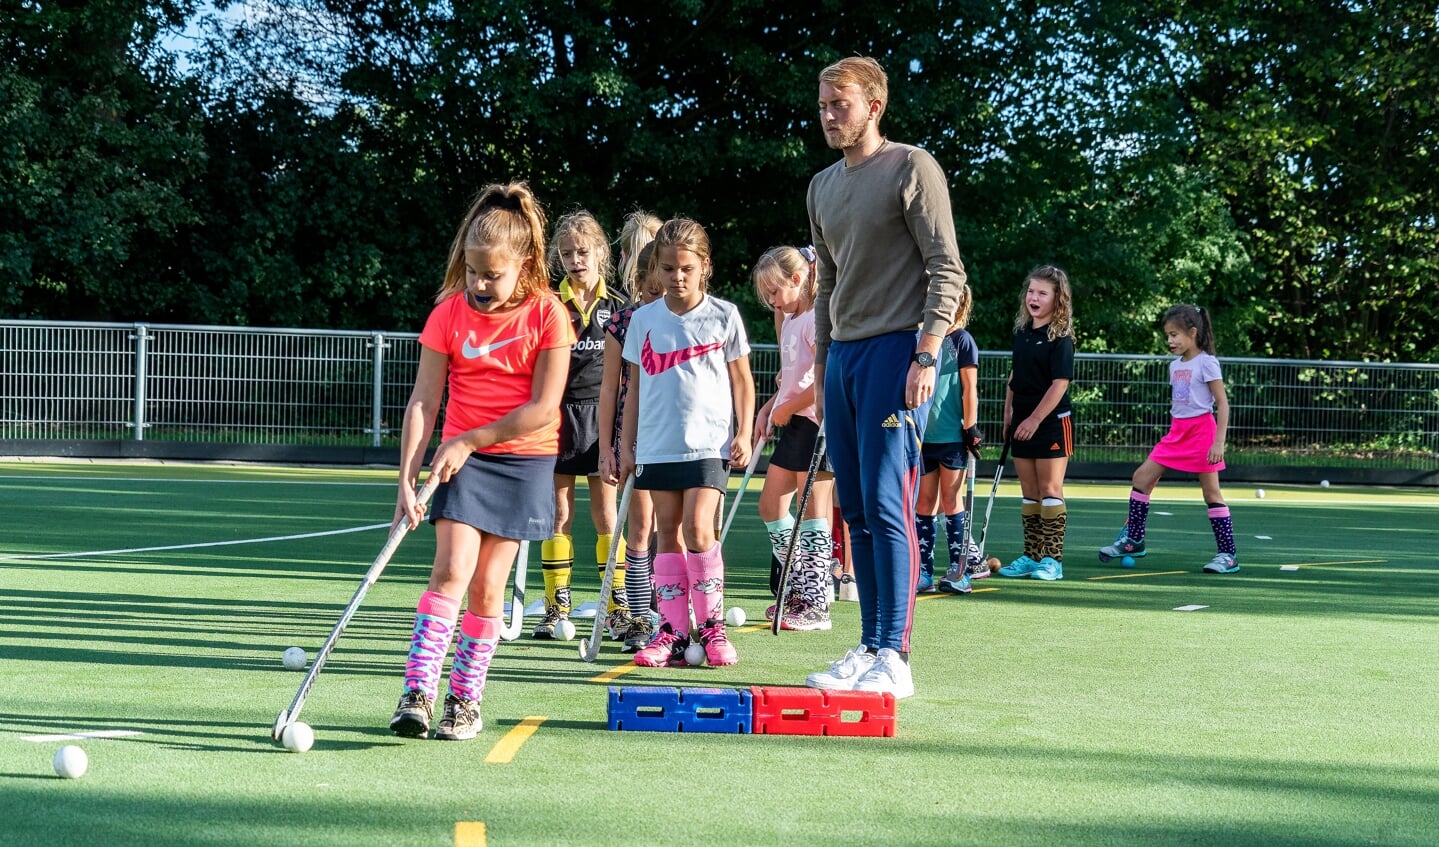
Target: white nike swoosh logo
(484, 349)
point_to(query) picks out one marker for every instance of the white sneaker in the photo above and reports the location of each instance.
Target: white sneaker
(842, 674)
(889, 673)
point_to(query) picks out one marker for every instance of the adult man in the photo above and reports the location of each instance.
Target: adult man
(888, 262)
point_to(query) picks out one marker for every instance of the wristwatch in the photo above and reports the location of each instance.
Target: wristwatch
(924, 360)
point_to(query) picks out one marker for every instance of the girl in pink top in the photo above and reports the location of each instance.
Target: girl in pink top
(784, 280)
(499, 341)
(1199, 426)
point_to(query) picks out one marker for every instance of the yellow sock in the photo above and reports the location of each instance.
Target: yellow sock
(616, 599)
(557, 560)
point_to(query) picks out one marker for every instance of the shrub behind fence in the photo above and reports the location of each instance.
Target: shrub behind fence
(99, 388)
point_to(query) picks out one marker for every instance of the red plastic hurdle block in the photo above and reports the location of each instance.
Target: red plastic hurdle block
(812, 711)
(667, 709)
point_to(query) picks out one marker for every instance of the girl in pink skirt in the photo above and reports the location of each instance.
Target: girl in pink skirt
(1195, 442)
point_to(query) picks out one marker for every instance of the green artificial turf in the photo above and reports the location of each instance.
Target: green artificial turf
(1297, 708)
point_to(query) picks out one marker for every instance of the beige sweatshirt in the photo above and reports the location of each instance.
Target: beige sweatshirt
(888, 259)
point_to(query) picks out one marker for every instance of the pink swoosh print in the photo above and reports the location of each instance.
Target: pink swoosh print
(657, 363)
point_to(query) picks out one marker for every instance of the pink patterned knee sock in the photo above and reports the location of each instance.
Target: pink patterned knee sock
(706, 576)
(430, 641)
(674, 598)
(473, 652)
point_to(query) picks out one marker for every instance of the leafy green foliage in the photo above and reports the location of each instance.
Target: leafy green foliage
(307, 165)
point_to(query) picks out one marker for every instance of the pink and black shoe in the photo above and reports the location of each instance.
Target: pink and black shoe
(665, 650)
(718, 650)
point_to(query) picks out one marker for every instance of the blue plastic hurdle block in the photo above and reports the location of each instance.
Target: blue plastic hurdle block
(648, 708)
(666, 709)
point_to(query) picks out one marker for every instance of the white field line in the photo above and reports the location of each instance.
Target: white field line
(62, 478)
(81, 736)
(194, 546)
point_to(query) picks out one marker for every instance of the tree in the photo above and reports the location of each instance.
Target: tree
(1316, 121)
(100, 137)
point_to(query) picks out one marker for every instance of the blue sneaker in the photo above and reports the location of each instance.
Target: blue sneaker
(956, 581)
(1123, 546)
(1023, 566)
(1222, 563)
(1048, 569)
(925, 584)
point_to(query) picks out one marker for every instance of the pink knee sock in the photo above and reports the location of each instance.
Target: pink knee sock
(473, 652)
(706, 574)
(673, 593)
(430, 641)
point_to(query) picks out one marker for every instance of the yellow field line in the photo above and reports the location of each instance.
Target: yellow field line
(613, 673)
(470, 834)
(938, 595)
(1133, 575)
(505, 749)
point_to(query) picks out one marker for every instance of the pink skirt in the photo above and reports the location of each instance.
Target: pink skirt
(1186, 446)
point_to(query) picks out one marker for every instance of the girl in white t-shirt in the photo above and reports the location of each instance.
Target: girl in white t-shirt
(1199, 410)
(689, 369)
(784, 280)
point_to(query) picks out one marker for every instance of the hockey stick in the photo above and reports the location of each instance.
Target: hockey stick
(993, 490)
(788, 565)
(511, 630)
(739, 495)
(290, 715)
(969, 505)
(945, 585)
(590, 647)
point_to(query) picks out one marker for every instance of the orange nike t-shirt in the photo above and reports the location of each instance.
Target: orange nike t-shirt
(492, 364)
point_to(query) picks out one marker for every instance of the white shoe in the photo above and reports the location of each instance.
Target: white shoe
(889, 673)
(842, 674)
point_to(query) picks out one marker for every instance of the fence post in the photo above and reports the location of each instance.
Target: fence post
(142, 348)
(377, 387)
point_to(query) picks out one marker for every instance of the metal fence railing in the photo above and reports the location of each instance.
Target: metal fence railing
(106, 382)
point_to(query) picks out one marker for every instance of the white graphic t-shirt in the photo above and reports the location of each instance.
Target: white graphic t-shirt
(686, 408)
(1189, 382)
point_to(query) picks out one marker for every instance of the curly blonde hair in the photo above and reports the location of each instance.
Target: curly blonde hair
(1062, 323)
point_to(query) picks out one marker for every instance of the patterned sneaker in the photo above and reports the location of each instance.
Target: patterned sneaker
(925, 584)
(637, 637)
(1023, 566)
(1123, 546)
(889, 674)
(412, 716)
(848, 591)
(956, 581)
(800, 616)
(545, 629)
(665, 650)
(460, 720)
(617, 624)
(843, 672)
(1222, 563)
(718, 650)
(1049, 569)
(978, 567)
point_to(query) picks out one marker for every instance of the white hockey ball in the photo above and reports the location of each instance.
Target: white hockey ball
(1323, 483)
(297, 737)
(695, 655)
(295, 659)
(1259, 492)
(565, 630)
(735, 616)
(70, 762)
